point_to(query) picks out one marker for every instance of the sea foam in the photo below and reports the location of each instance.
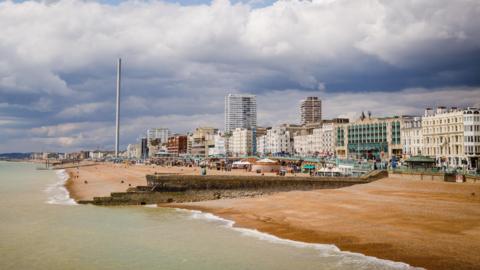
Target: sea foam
(325, 250)
(57, 192)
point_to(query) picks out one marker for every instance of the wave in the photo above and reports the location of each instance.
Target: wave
(324, 249)
(58, 194)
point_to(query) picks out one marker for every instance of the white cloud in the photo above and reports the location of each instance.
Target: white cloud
(41, 41)
(85, 109)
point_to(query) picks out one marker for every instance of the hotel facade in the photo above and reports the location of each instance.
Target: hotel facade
(452, 136)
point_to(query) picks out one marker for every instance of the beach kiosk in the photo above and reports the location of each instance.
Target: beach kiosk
(266, 165)
(420, 163)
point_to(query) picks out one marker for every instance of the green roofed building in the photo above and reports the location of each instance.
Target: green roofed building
(420, 162)
(371, 138)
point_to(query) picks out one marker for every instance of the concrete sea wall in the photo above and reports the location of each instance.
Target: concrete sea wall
(190, 188)
(430, 176)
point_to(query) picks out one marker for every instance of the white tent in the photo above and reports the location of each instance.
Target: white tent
(266, 160)
(241, 162)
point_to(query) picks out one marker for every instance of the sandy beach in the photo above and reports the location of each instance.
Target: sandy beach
(435, 225)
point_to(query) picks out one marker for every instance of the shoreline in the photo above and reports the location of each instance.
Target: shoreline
(266, 236)
(58, 191)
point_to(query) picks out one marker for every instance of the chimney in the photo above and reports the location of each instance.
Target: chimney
(428, 111)
(441, 109)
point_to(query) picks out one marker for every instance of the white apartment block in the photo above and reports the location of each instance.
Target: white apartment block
(240, 142)
(320, 143)
(240, 112)
(134, 151)
(278, 141)
(158, 133)
(324, 140)
(304, 145)
(471, 122)
(261, 144)
(220, 147)
(452, 136)
(412, 139)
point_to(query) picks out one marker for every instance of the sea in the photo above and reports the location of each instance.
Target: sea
(41, 227)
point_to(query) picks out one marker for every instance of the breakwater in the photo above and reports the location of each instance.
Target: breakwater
(190, 188)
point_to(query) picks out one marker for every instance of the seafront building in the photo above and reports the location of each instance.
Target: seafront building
(303, 145)
(97, 154)
(443, 136)
(278, 140)
(324, 140)
(471, 121)
(452, 136)
(157, 140)
(220, 146)
(144, 148)
(134, 151)
(240, 112)
(320, 143)
(158, 133)
(201, 140)
(240, 143)
(177, 145)
(412, 138)
(371, 138)
(311, 110)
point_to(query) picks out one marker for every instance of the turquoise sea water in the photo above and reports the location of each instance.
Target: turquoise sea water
(41, 228)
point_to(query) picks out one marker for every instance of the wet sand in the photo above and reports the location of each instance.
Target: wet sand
(434, 225)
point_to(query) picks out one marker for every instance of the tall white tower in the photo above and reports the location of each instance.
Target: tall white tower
(240, 112)
(117, 115)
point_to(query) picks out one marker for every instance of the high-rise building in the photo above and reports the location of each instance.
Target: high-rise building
(158, 133)
(240, 112)
(144, 148)
(311, 110)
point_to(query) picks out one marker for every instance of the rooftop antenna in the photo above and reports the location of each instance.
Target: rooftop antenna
(117, 115)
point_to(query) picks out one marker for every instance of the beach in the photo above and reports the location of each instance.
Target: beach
(435, 225)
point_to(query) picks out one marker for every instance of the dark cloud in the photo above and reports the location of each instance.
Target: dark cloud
(57, 63)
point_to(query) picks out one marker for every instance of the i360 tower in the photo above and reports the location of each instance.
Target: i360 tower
(117, 115)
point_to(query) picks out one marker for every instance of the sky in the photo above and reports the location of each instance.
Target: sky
(180, 59)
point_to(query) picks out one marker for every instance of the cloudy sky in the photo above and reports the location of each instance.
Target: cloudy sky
(57, 63)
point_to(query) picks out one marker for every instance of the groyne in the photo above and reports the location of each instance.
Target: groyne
(191, 188)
